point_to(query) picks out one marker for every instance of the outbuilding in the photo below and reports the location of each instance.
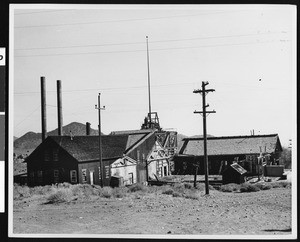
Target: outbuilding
(234, 173)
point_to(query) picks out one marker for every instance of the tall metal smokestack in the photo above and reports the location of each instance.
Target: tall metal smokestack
(88, 128)
(43, 106)
(59, 108)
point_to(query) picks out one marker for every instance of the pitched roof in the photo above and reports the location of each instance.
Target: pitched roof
(231, 145)
(85, 148)
(135, 131)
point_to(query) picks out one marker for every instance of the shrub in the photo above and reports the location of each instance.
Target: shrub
(188, 185)
(168, 191)
(280, 184)
(59, 196)
(231, 187)
(179, 187)
(285, 184)
(137, 187)
(64, 184)
(41, 190)
(21, 192)
(263, 186)
(176, 194)
(119, 192)
(201, 187)
(192, 194)
(246, 187)
(106, 192)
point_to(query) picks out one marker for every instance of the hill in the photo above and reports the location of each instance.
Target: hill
(29, 141)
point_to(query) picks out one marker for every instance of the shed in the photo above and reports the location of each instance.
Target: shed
(234, 173)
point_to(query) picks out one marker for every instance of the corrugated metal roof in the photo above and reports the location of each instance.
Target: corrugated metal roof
(231, 145)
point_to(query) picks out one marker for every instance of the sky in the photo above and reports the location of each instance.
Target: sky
(246, 53)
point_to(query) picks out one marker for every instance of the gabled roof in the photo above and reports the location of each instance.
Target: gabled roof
(86, 148)
(232, 145)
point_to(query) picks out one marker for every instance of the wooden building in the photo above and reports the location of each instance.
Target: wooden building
(129, 156)
(222, 151)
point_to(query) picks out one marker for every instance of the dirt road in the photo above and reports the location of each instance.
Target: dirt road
(265, 212)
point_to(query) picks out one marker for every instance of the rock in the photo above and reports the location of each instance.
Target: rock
(169, 232)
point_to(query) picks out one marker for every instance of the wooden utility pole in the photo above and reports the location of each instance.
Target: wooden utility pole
(204, 91)
(100, 143)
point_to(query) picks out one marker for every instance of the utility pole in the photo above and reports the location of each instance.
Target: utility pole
(204, 91)
(100, 143)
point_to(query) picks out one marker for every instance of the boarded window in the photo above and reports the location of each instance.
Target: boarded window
(40, 176)
(99, 172)
(106, 171)
(46, 155)
(55, 155)
(83, 172)
(31, 176)
(56, 176)
(73, 176)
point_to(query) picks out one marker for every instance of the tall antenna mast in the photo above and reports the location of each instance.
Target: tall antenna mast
(149, 114)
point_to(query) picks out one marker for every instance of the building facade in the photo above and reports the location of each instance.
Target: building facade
(247, 151)
(131, 157)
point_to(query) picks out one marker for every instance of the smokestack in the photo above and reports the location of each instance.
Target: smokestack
(88, 128)
(59, 108)
(43, 105)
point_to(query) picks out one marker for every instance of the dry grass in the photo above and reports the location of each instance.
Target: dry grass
(231, 187)
(66, 192)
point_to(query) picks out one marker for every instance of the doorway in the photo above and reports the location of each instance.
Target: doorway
(91, 177)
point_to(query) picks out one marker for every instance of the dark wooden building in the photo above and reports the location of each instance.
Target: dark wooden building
(129, 157)
(222, 151)
(234, 173)
(76, 159)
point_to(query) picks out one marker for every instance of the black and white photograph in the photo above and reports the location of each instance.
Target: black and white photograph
(152, 121)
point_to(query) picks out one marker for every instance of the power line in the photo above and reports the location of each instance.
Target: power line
(50, 11)
(108, 88)
(162, 49)
(157, 41)
(27, 116)
(124, 20)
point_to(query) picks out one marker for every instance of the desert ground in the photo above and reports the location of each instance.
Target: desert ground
(152, 210)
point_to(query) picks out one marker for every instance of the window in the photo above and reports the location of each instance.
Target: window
(40, 176)
(138, 155)
(106, 171)
(55, 154)
(73, 175)
(130, 178)
(56, 176)
(31, 176)
(46, 155)
(99, 173)
(165, 171)
(83, 172)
